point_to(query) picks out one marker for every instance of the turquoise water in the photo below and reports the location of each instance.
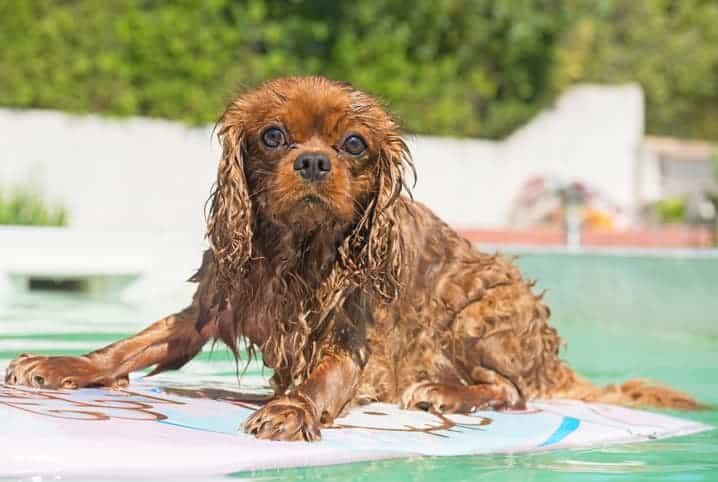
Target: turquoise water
(621, 318)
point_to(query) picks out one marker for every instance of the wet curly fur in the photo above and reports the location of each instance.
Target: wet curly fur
(311, 267)
(352, 291)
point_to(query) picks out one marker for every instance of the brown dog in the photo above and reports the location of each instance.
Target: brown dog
(352, 292)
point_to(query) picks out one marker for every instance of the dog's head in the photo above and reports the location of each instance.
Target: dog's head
(308, 154)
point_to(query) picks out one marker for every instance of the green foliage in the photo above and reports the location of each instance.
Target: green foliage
(669, 47)
(456, 67)
(453, 67)
(26, 207)
(671, 210)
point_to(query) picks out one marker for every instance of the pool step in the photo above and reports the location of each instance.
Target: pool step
(95, 263)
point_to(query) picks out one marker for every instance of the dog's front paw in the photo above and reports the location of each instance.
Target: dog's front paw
(58, 372)
(286, 418)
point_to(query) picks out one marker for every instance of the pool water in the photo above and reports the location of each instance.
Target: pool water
(681, 355)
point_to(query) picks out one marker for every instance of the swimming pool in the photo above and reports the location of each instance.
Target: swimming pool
(623, 316)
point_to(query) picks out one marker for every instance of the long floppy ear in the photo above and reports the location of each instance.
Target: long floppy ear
(378, 235)
(229, 224)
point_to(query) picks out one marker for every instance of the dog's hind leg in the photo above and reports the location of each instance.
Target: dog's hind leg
(495, 393)
(502, 349)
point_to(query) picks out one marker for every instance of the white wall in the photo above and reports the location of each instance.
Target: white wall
(152, 175)
(136, 174)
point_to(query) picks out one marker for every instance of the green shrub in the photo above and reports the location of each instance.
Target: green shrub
(26, 207)
(450, 67)
(455, 67)
(672, 210)
(668, 47)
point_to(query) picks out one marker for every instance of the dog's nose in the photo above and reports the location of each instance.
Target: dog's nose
(312, 166)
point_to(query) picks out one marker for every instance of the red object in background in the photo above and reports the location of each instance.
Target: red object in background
(675, 237)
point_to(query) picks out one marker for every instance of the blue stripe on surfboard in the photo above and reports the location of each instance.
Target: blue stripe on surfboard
(568, 425)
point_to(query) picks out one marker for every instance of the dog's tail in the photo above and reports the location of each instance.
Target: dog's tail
(633, 393)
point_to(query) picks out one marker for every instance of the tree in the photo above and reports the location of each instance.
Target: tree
(457, 67)
(670, 47)
(453, 67)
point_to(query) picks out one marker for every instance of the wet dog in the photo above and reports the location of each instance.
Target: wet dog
(352, 291)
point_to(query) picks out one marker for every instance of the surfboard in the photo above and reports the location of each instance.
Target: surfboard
(148, 431)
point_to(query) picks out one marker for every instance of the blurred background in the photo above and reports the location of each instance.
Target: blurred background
(610, 103)
(579, 134)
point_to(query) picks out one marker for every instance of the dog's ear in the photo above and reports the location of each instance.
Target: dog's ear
(381, 251)
(394, 159)
(229, 223)
(386, 246)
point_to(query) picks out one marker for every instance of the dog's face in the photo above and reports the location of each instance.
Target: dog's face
(308, 154)
(312, 150)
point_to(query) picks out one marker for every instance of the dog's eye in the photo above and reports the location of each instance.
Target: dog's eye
(354, 145)
(273, 137)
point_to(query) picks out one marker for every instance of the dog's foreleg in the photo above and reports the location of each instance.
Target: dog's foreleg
(169, 343)
(318, 400)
